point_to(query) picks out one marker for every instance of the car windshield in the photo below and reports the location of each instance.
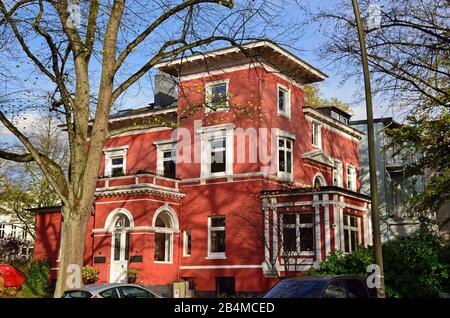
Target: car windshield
(297, 289)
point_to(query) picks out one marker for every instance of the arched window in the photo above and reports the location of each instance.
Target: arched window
(165, 223)
(319, 181)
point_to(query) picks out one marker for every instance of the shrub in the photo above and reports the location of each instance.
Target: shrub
(90, 274)
(415, 266)
(351, 264)
(38, 272)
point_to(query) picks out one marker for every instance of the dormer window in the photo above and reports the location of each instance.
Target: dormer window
(115, 161)
(216, 96)
(284, 101)
(316, 138)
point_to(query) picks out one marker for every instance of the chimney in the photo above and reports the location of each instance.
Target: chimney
(165, 90)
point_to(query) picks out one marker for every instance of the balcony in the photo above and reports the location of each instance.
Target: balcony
(137, 180)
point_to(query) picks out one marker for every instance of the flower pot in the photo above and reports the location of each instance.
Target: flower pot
(89, 281)
(131, 280)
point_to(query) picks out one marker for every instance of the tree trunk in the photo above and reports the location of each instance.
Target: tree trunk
(72, 249)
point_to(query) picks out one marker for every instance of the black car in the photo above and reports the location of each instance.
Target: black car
(322, 287)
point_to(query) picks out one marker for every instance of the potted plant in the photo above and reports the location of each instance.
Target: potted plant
(132, 273)
(90, 274)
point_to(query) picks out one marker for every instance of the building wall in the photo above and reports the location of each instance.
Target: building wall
(236, 196)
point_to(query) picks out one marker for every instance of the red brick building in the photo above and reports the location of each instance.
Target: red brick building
(251, 186)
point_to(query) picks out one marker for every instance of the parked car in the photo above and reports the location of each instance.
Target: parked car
(110, 291)
(322, 287)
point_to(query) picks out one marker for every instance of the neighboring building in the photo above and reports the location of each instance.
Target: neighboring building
(10, 226)
(394, 187)
(204, 209)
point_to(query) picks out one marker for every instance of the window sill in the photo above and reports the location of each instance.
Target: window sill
(160, 262)
(285, 176)
(285, 115)
(216, 257)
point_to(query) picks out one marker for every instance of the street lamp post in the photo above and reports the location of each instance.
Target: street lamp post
(371, 143)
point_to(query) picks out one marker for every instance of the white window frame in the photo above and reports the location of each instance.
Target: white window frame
(351, 177)
(208, 96)
(350, 228)
(168, 249)
(186, 233)
(207, 135)
(161, 147)
(339, 172)
(322, 179)
(298, 226)
(13, 230)
(319, 135)
(285, 136)
(112, 153)
(216, 255)
(287, 92)
(2, 231)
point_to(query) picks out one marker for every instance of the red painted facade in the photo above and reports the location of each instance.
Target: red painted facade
(252, 200)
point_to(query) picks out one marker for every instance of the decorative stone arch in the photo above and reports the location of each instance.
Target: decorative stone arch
(114, 215)
(321, 179)
(169, 214)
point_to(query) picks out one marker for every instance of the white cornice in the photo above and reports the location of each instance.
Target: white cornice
(332, 124)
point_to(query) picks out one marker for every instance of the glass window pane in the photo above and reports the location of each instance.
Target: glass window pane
(117, 246)
(217, 221)
(218, 94)
(356, 288)
(160, 247)
(281, 142)
(335, 290)
(109, 293)
(134, 292)
(288, 144)
(218, 143)
(347, 241)
(289, 218)
(218, 166)
(288, 162)
(167, 154)
(289, 240)
(281, 161)
(306, 239)
(169, 169)
(217, 241)
(306, 218)
(127, 246)
(281, 100)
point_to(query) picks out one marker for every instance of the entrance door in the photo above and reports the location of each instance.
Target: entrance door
(120, 251)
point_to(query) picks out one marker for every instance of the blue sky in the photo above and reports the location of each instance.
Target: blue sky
(141, 93)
